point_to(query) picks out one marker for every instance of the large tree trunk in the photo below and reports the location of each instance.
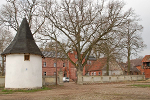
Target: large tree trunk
(128, 62)
(129, 50)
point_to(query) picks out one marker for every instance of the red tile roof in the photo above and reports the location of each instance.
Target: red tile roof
(146, 58)
(98, 64)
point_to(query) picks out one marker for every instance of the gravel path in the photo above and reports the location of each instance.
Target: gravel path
(71, 91)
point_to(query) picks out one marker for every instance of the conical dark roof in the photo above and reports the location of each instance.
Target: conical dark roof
(23, 42)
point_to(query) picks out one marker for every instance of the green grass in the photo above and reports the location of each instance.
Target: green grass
(1, 87)
(30, 90)
(141, 85)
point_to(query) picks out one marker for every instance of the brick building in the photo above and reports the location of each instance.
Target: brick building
(72, 69)
(49, 64)
(93, 67)
(135, 68)
(98, 67)
(146, 66)
(69, 70)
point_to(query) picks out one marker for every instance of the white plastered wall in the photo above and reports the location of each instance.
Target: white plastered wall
(23, 74)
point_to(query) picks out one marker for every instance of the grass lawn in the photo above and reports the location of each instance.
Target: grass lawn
(3, 91)
(141, 85)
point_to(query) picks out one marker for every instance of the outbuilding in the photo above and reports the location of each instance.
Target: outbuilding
(23, 60)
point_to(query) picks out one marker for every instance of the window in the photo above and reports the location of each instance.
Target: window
(63, 64)
(94, 73)
(88, 74)
(99, 73)
(44, 64)
(54, 64)
(44, 73)
(148, 63)
(26, 57)
(54, 73)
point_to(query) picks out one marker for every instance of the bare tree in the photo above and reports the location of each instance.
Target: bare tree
(51, 46)
(132, 41)
(110, 48)
(13, 11)
(5, 39)
(83, 23)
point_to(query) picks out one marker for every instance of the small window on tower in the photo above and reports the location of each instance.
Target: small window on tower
(26, 57)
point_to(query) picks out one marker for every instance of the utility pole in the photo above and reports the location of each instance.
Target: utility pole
(56, 61)
(53, 32)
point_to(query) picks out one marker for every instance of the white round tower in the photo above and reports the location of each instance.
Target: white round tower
(23, 60)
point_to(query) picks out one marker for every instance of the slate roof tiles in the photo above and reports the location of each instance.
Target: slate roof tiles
(23, 42)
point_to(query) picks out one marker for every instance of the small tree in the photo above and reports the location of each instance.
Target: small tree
(132, 41)
(13, 11)
(5, 39)
(110, 48)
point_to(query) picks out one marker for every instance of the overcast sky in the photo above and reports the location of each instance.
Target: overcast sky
(142, 8)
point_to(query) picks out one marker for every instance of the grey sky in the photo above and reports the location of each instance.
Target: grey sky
(141, 8)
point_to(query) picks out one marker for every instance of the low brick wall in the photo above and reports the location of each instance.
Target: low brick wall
(2, 81)
(49, 80)
(103, 79)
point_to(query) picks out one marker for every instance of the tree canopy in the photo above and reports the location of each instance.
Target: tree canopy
(85, 23)
(80, 25)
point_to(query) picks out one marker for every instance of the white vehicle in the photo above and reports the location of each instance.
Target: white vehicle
(65, 79)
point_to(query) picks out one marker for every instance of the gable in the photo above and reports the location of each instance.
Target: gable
(146, 58)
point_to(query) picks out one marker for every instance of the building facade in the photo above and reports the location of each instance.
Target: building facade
(49, 64)
(93, 67)
(98, 67)
(146, 66)
(23, 60)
